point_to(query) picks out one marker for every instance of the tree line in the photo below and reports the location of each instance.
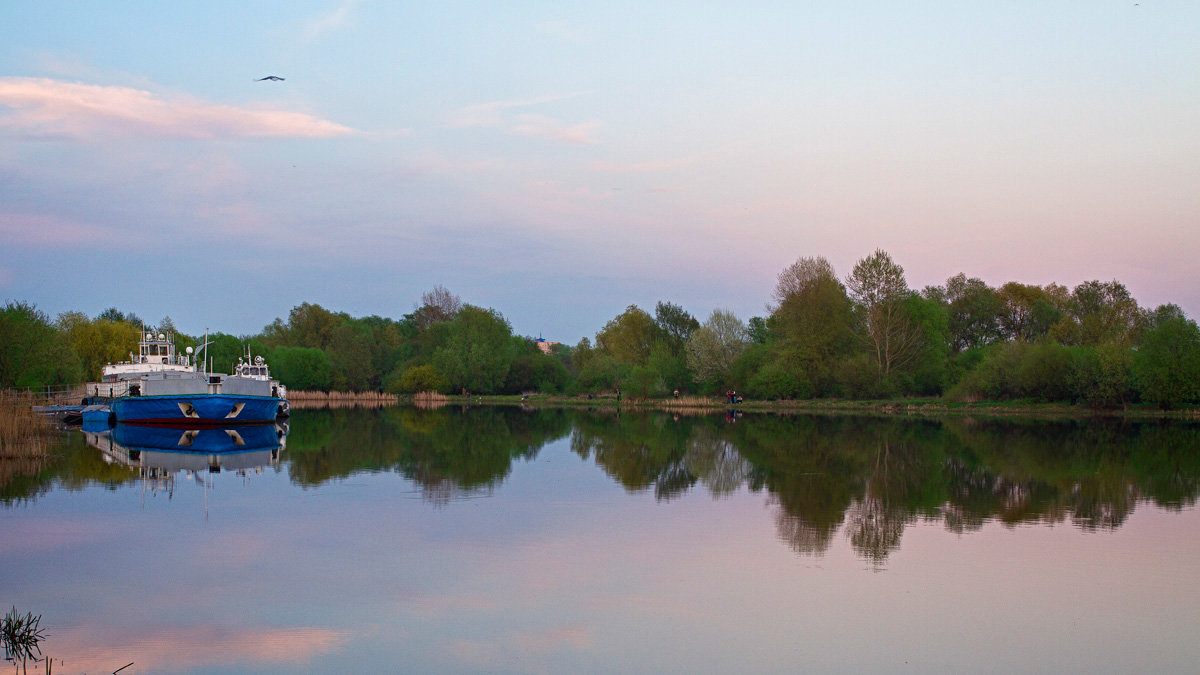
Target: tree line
(865, 336)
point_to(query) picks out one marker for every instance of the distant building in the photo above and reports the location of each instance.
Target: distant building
(544, 345)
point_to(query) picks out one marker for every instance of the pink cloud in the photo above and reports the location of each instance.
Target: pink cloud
(51, 108)
(55, 534)
(168, 648)
(42, 229)
(577, 637)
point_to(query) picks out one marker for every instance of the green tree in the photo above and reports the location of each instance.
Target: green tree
(98, 342)
(388, 345)
(1100, 312)
(925, 374)
(302, 368)
(1163, 313)
(223, 352)
(33, 354)
(601, 372)
(675, 325)
(534, 370)
(814, 329)
(671, 368)
(421, 378)
(1166, 366)
(973, 313)
(477, 352)
(758, 331)
(350, 350)
(311, 326)
(1112, 382)
(629, 337)
(1028, 312)
(114, 314)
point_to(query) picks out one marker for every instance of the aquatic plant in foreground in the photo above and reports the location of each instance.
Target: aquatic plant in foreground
(21, 636)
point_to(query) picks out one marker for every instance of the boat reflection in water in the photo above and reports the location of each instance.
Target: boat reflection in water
(158, 453)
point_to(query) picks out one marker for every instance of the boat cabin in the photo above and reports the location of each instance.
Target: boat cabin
(156, 354)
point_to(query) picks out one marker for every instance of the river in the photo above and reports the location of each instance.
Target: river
(509, 540)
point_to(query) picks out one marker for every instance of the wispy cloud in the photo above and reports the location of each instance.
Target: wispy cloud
(644, 167)
(577, 637)
(496, 115)
(491, 114)
(40, 230)
(327, 22)
(548, 127)
(53, 109)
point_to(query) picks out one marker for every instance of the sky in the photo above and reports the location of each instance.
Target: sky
(558, 161)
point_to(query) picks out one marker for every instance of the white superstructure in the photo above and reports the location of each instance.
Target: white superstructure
(156, 354)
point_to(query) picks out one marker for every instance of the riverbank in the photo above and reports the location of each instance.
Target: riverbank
(299, 400)
(24, 437)
(23, 432)
(911, 407)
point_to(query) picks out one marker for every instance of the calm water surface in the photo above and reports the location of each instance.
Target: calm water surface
(572, 541)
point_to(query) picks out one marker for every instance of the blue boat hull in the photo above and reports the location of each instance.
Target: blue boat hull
(196, 409)
(211, 440)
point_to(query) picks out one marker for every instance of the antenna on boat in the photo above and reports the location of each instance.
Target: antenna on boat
(204, 360)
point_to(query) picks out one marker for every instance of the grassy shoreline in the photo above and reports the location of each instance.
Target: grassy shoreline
(24, 437)
(23, 432)
(23, 429)
(910, 407)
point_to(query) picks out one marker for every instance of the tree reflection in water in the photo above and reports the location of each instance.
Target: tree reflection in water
(872, 478)
(869, 478)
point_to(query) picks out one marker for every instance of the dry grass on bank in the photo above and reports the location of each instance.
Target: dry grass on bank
(430, 400)
(339, 399)
(24, 436)
(23, 432)
(691, 402)
(689, 405)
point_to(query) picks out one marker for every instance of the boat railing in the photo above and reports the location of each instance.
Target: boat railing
(110, 389)
(60, 394)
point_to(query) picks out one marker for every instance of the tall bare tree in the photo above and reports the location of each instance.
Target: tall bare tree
(437, 305)
(799, 276)
(877, 286)
(714, 345)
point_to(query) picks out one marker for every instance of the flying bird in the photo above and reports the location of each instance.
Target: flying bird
(273, 78)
